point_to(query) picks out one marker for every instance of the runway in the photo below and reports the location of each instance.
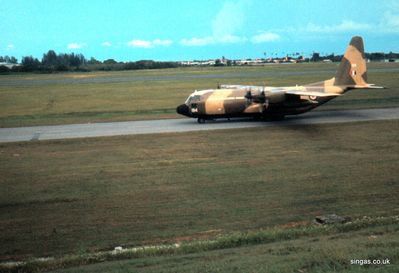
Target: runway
(37, 133)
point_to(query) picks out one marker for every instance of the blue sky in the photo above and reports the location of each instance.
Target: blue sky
(186, 30)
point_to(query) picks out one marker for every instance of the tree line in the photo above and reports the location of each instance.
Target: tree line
(8, 59)
(53, 62)
(375, 56)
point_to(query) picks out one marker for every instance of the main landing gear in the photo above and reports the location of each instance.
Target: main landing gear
(201, 120)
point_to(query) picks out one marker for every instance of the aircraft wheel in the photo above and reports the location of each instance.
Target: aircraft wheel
(201, 120)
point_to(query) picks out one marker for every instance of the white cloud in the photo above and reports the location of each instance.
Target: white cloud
(149, 44)
(198, 41)
(210, 40)
(10, 46)
(344, 26)
(265, 37)
(162, 42)
(390, 22)
(140, 43)
(107, 44)
(231, 39)
(315, 30)
(228, 21)
(76, 45)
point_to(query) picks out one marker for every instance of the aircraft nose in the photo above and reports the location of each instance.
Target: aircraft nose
(183, 110)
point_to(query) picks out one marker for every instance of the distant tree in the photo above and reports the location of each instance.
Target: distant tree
(77, 60)
(49, 59)
(17, 68)
(4, 69)
(391, 55)
(376, 56)
(315, 57)
(218, 63)
(13, 60)
(62, 62)
(93, 61)
(30, 64)
(110, 61)
(8, 59)
(330, 57)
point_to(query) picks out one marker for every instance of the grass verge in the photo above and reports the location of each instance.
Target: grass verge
(233, 240)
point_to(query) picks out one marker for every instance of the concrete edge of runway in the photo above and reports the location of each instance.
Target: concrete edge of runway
(37, 133)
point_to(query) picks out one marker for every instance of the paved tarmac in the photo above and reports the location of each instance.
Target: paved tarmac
(37, 133)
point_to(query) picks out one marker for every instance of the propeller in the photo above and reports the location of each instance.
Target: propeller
(262, 97)
(248, 95)
(259, 99)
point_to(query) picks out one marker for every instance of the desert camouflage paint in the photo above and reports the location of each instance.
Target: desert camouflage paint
(276, 102)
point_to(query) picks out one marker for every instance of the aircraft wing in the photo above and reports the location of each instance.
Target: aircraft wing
(311, 93)
(371, 86)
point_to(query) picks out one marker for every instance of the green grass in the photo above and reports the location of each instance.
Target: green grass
(315, 254)
(310, 243)
(34, 99)
(86, 195)
(72, 199)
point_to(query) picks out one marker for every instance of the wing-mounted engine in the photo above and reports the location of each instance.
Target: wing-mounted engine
(256, 98)
(256, 102)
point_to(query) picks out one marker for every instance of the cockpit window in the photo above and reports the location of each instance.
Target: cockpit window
(197, 98)
(188, 100)
(193, 98)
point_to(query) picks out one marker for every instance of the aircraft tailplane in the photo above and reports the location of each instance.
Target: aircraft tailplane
(352, 70)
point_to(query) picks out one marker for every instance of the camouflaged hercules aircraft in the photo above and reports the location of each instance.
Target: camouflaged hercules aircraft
(276, 102)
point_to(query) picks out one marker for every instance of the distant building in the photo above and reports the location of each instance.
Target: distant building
(198, 63)
(8, 65)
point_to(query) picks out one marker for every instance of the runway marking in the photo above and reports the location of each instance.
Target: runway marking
(38, 133)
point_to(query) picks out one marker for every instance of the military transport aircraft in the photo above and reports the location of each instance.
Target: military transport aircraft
(275, 102)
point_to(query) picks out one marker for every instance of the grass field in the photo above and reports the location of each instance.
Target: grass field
(87, 195)
(38, 99)
(314, 253)
(287, 248)
(235, 200)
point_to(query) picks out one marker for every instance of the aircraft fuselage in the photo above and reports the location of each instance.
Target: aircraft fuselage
(277, 102)
(247, 101)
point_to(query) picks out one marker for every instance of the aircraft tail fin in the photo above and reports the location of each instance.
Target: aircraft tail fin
(352, 70)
